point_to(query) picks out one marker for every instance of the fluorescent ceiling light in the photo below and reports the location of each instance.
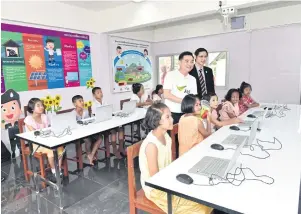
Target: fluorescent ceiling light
(137, 1)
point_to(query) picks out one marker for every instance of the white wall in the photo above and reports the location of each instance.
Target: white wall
(269, 59)
(50, 13)
(265, 16)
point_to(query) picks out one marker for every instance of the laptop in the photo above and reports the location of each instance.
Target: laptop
(216, 167)
(60, 122)
(236, 140)
(103, 113)
(129, 107)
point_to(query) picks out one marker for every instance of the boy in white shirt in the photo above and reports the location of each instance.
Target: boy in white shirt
(138, 92)
(178, 83)
(118, 132)
(82, 113)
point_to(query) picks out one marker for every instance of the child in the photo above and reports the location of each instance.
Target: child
(38, 120)
(155, 154)
(215, 122)
(230, 107)
(246, 101)
(138, 92)
(191, 129)
(81, 113)
(158, 94)
(97, 102)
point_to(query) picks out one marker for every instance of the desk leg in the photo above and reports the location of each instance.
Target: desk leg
(169, 203)
(58, 177)
(79, 153)
(32, 166)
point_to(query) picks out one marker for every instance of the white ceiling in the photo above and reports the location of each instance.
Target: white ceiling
(96, 5)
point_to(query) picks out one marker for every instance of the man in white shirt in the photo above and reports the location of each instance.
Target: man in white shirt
(178, 84)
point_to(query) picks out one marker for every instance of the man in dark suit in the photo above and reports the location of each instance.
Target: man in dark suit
(203, 74)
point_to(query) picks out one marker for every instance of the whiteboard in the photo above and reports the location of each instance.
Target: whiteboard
(275, 62)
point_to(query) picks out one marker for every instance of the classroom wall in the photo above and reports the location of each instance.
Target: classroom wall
(270, 59)
(50, 13)
(101, 70)
(276, 14)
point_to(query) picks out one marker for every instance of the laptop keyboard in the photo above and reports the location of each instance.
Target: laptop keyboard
(210, 166)
(234, 140)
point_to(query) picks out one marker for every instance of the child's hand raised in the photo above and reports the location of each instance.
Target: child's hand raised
(238, 120)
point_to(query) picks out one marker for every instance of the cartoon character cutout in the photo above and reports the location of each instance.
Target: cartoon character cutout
(50, 49)
(118, 51)
(10, 114)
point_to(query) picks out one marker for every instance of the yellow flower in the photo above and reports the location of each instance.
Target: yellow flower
(88, 83)
(50, 102)
(92, 80)
(57, 103)
(89, 103)
(58, 98)
(53, 101)
(46, 103)
(48, 97)
(86, 105)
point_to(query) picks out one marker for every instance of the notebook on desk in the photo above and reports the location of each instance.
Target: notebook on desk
(214, 167)
(61, 122)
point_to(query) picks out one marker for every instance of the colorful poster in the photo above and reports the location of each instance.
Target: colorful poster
(34, 58)
(12, 55)
(131, 64)
(84, 61)
(35, 61)
(54, 62)
(2, 79)
(70, 62)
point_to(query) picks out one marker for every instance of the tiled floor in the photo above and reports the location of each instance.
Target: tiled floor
(101, 189)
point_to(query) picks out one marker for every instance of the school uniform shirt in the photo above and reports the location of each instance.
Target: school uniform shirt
(81, 117)
(157, 98)
(137, 99)
(96, 104)
(179, 85)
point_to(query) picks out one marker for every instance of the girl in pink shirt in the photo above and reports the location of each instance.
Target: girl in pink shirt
(246, 101)
(230, 107)
(214, 118)
(38, 120)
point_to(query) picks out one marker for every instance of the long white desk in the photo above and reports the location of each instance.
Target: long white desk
(251, 197)
(80, 132)
(83, 131)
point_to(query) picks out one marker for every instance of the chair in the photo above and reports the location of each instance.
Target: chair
(132, 136)
(174, 137)
(40, 156)
(137, 199)
(65, 111)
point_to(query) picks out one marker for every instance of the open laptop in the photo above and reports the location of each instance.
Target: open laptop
(60, 122)
(129, 107)
(103, 113)
(236, 140)
(216, 167)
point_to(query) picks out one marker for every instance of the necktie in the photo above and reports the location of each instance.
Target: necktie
(202, 82)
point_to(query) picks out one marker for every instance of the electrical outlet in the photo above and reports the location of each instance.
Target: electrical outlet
(228, 11)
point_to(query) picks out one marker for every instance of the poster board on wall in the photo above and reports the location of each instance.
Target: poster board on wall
(130, 64)
(36, 59)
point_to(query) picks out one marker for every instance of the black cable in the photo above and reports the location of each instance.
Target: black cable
(45, 134)
(265, 150)
(228, 180)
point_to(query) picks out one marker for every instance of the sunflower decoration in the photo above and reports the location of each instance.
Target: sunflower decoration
(90, 83)
(52, 104)
(88, 104)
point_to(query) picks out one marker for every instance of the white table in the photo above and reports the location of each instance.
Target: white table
(251, 197)
(82, 131)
